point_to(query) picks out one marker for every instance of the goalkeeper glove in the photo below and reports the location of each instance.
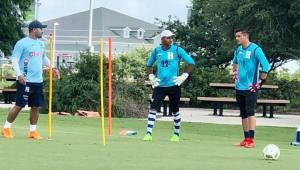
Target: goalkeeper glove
(255, 87)
(180, 79)
(235, 76)
(153, 80)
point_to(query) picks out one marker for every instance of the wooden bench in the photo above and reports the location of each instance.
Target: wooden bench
(219, 101)
(9, 78)
(9, 95)
(232, 86)
(166, 104)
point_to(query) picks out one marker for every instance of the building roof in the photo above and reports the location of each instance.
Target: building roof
(106, 23)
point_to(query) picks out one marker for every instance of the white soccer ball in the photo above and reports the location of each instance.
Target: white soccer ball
(271, 151)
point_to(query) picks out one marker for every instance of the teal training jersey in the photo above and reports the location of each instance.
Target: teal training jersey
(168, 62)
(248, 62)
(30, 53)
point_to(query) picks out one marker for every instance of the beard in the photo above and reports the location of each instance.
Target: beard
(238, 42)
(39, 35)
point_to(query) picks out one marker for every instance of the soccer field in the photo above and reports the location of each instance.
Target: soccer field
(76, 145)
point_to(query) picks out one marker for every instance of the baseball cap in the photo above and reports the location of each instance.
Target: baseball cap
(36, 24)
(166, 33)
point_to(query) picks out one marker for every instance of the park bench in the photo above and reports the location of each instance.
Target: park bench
(218, 102)
(8, 95)
(166, 104)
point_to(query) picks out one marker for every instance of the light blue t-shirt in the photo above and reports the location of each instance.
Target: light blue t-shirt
(168, 62)
(30, 53)
(248, 63)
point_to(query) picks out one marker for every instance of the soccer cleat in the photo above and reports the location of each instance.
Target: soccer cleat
(6, 133)
(148, 137)
(174, 138)
(34, 135)
(242, 143)
(250, 144)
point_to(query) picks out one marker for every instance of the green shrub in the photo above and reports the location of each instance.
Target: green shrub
(199, 80)
(79, 89)
(7, 71)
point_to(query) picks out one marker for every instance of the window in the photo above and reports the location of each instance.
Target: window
(126, 32)
(140, 33)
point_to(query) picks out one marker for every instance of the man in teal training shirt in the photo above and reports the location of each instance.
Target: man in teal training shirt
(248, 58)
(167, 81)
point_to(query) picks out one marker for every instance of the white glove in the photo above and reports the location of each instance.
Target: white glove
(153, 80)
(179, 80)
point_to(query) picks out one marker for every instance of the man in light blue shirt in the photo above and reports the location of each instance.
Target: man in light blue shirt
(28, 60)
(167, 57)
(30, 55)
(248, 58)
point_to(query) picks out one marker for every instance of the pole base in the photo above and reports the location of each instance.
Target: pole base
(295, 143)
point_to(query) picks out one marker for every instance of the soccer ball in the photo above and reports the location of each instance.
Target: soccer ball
(271, 151)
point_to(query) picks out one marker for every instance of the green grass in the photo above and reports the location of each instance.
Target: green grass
(76, 145)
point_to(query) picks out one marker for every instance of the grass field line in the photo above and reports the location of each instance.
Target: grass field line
(59, 131)
(294, 150)
(78, 133)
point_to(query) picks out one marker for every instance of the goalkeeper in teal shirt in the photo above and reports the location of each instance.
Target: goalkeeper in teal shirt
(167, 81)
(248, 58)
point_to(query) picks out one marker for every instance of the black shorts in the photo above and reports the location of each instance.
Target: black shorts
(247, 102)
(159, 95)
(31, 94)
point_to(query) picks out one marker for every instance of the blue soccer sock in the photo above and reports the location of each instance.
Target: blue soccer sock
(246, 134)
(151, 120)
(177, 121)
(251, 134)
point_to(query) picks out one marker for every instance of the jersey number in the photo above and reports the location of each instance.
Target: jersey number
(165, 63)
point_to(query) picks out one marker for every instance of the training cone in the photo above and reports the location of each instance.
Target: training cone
(297, 141)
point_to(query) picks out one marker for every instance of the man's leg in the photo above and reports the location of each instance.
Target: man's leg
(252, 126)
(158, 97)
(245, 124)
(174, 94)
(34, 117)
(241, 100)
(251, 99)
(12, 115)
(35, 101)
(21, 101)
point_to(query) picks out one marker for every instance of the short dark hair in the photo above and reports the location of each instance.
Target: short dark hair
(243, 31)
(35, 24)
(30, 30)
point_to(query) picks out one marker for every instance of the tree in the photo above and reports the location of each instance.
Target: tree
(201, 37)
(209, 33)
(12, 16)
(296, 75)
(274, 25)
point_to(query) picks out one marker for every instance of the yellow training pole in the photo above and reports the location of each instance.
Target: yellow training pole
(50, 90)
(109, 87)
(101, 91)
